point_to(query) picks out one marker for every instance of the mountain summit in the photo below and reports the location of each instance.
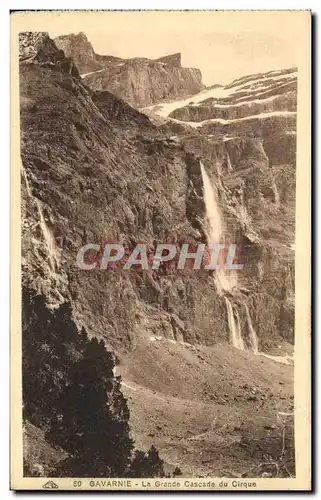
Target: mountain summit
(139, 81)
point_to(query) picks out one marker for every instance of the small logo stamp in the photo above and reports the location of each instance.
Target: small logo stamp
(50, 485)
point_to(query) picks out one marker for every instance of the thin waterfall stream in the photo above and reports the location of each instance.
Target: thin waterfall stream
(236, 339)
(254, 342)
(229, 165)
(46, 232)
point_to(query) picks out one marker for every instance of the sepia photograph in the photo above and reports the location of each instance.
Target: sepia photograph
(160, 276)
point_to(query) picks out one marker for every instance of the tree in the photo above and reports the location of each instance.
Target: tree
(43, 361)
(94, 424)
(70, 391)
(147, 464)
(177, 472)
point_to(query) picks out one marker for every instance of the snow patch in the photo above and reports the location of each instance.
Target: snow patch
(164, 109)
(250, 102)
(92, 72)
(279, 359)
(225, 122)
(154, 338)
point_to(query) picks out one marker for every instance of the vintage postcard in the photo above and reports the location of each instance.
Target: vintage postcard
(160, 252)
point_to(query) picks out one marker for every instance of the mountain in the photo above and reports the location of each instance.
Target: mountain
(81, 51)
(261, 106)
(139, 81)
(205, 358)
(245, 131)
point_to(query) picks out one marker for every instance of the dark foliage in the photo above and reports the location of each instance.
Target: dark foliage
(147, 464)
(70, 391)
(177, 472)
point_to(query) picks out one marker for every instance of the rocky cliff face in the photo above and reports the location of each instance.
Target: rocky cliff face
(39, 48)
(264, 93)
(139, 81)
(245, 133)
(100, 171)
(137, 186)
(82, 53)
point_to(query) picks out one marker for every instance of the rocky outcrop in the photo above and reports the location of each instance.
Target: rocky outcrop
(121, 113)
(142, 82)
(37, 47)
(139, 81)
(208, 111)
(172, 60)
(81, 51)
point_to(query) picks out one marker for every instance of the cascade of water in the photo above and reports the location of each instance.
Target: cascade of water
(48, 237)
(229, 164)
(240, 342)
(26, 179)
(234, 326)
(275, 192)
(231, 322)
(253, 337)
(224, 280)
(212, 210)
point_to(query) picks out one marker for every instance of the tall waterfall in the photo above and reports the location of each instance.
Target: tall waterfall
(225, 280)
(47, 235)
(252, 333)
(234, 326)
(214, 226)
(26, 180)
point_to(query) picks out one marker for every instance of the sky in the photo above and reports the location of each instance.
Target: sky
(223, 45)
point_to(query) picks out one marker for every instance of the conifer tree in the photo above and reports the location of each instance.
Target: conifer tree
(70, 391)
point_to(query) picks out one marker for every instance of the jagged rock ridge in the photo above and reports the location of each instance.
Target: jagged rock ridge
(37, 47)
(81, 51)
(139, 81)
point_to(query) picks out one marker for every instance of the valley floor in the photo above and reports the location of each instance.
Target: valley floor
(212, 411)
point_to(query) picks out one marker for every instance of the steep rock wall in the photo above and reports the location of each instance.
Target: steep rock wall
(139, 81)
(93, 185)
(100, 171)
